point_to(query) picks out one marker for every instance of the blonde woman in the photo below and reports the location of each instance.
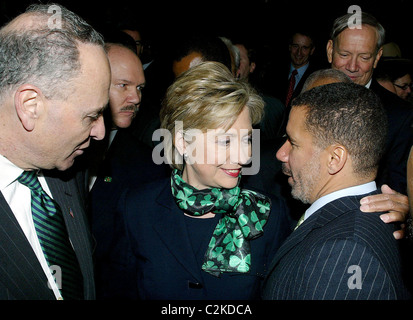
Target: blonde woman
(199, 234)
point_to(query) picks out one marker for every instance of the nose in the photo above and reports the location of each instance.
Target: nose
(135, 96)
(244, 154)
(98, 129)
(283, 152)
(352, 65)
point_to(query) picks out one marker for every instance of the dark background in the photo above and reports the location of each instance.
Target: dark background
(264, 23)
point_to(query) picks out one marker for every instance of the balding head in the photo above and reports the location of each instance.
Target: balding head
(32, 49)
(323, 77)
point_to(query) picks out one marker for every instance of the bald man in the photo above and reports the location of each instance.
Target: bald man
(54, 85)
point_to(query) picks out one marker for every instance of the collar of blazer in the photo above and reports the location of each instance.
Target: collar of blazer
(318, 219)
(20, 272)
(66, 194)
(171, 228)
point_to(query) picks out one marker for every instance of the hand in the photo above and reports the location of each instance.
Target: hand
(395, 204)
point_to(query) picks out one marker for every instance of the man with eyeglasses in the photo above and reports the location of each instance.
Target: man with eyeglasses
(404, 86)
(394, 74)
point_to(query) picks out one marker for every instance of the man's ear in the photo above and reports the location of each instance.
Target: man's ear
(337, 158)
(329, 50)
(29, 103)
(378, 56)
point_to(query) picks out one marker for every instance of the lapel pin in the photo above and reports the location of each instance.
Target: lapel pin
(108, 179)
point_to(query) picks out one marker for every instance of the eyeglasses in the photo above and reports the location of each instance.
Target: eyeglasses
(405, 86)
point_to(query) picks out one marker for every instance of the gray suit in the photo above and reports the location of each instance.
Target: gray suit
(21, 275)
(338, 253)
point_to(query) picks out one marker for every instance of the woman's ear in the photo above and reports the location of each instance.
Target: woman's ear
(337, 158)
(28, 101)
(180, 143)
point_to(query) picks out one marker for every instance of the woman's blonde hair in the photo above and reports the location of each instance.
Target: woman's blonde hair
(204, 97)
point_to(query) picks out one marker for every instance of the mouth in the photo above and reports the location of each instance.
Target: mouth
(288, 173)
(234, 173)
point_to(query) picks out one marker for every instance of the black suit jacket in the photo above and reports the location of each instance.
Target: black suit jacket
(21, 275)
(393, 166)
(161, 263)
(338, 253)
(128, 163)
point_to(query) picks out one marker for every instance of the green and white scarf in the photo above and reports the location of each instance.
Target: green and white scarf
(244, 214)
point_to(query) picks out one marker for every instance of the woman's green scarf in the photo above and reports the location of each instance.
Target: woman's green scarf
(244, 214)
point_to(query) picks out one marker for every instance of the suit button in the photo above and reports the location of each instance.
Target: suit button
(194, 285)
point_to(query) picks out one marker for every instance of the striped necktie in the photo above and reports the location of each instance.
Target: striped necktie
(54, 240)
(291, 85)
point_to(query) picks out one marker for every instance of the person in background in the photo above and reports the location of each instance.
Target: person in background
(119, 159)
(356, 52)
(395, 75)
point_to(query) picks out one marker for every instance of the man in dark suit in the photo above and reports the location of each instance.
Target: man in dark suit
(54, 82)
(356, 52)
(285, 81)
(118, 160)
(335, 137)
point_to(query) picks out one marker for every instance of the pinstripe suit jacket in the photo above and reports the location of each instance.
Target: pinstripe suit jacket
(338, 253)
(21, 276)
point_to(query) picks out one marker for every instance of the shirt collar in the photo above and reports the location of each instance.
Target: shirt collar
(8, 172)
(300, 71)
(352, 191)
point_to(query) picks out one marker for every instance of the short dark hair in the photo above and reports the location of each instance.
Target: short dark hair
(211, 48)
(48, 57)
(348, 114)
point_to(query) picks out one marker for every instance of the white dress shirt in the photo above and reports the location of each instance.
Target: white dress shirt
(352, 191)
(18, 196)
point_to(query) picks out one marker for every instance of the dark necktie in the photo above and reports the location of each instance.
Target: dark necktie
(54, 240)
(291, 87)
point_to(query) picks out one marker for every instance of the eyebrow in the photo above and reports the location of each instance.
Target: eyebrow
(130, 82)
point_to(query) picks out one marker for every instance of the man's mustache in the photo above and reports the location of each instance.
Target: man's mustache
(131, 107)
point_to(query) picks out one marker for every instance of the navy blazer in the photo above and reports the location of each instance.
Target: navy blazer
(21, 275)
(128, 162)
(338, 253)
(155, 252)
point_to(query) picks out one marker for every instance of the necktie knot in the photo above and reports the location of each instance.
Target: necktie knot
(29, 179)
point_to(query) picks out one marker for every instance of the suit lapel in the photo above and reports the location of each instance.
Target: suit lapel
(318, 219)
(66, 195)
(294, 239)
(20, 271)
(171, 228)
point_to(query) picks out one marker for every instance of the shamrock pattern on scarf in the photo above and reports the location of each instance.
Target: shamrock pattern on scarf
(245, 213)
